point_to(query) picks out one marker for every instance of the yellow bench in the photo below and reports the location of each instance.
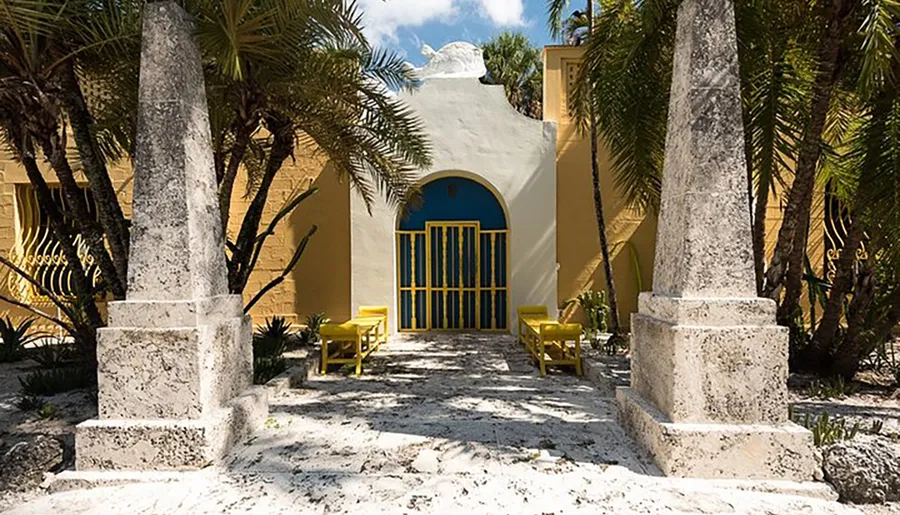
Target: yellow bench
(527, 313)
(380, 312)
(354, 340)
(548, 341)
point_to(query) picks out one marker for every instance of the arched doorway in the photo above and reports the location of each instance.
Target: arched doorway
(453, 260)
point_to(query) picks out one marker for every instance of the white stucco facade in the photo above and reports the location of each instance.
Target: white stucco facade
(475, 133)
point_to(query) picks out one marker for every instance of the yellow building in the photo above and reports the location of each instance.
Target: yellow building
(544, 211)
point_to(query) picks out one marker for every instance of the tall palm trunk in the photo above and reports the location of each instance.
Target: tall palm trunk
(245, 124)
(598, 204)
(786, 268)
(852, 348)
(823, 338)
(226, 186)
(239, 267)
(759, 229)
(109, 210)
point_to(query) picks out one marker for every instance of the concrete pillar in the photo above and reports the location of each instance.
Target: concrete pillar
(709, 364)
(175, 367)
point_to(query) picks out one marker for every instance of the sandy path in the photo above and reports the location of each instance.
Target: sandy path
(438, 424)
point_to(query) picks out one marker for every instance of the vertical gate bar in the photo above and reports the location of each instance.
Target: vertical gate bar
(412, 280)
(446, 274)
(400, 276)
(427, 278)
(460, 235)
(493, 278)
(506, 276)
(477, 240)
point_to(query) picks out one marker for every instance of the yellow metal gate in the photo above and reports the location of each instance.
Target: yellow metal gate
(453, 277)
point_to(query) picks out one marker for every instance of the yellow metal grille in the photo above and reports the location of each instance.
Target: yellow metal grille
(453, 276)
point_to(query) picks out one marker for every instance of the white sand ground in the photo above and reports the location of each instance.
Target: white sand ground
(437, 424)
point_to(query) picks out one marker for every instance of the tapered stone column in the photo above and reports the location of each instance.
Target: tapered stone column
(175, 364)
(709, 364)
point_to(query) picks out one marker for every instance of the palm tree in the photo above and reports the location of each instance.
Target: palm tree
(283, 79)
(805, 78)
(512, 61)
(556, 10)
(282, 76)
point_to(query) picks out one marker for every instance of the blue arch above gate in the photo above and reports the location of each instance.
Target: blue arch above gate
(456, 199)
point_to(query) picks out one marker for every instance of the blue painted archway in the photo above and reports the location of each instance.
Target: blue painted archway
(456, 199)
(453, 253)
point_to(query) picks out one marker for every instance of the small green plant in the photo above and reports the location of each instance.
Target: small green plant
(30, 403)
(269, 344)
(264, 369)
(47, 411)
(831, 388)
(271, 339)
(877, 426)
(57, 380)
(15, 338)
(828, 430)
(310, 334)
(56, 354)
(595, 307)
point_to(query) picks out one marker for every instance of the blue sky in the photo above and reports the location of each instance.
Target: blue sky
(405, 25)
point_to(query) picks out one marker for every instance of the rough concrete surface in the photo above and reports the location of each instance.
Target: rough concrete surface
(438, 424)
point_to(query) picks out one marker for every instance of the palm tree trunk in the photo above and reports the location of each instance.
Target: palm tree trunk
(786, 267)
(226, 186)
(109, 211)
(82, 285)
(823, 338)
(852, 349)
(598, 204)
(55, 150)
(239, 266)
(759, 231)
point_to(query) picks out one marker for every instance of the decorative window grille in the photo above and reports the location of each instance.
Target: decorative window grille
(38, 252)
(837, 218)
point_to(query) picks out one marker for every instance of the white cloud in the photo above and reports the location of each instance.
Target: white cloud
(382, 18)
(504, 12)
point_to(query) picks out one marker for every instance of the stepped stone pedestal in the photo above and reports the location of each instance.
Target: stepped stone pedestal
(175, 364)
(709, 364)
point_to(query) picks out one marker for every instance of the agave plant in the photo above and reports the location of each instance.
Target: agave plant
(270, 340)
(269, 343)
(15, 339)
(313, 324)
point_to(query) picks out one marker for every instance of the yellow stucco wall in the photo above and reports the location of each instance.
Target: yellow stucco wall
(321, 280)
(631, 233)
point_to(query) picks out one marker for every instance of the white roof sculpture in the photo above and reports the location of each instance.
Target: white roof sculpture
(454, 60)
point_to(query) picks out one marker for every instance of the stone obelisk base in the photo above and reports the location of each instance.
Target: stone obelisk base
(709, 390)
(717, 451)
(173, 397)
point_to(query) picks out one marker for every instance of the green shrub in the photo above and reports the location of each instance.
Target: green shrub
(47, 411)
(57, 354)
(57, 380)
(269, 343)
(264, 369)
(270, 340)
(314, 322)
(30, 403)
(831, 388)
(15, 338)
(828, 430)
